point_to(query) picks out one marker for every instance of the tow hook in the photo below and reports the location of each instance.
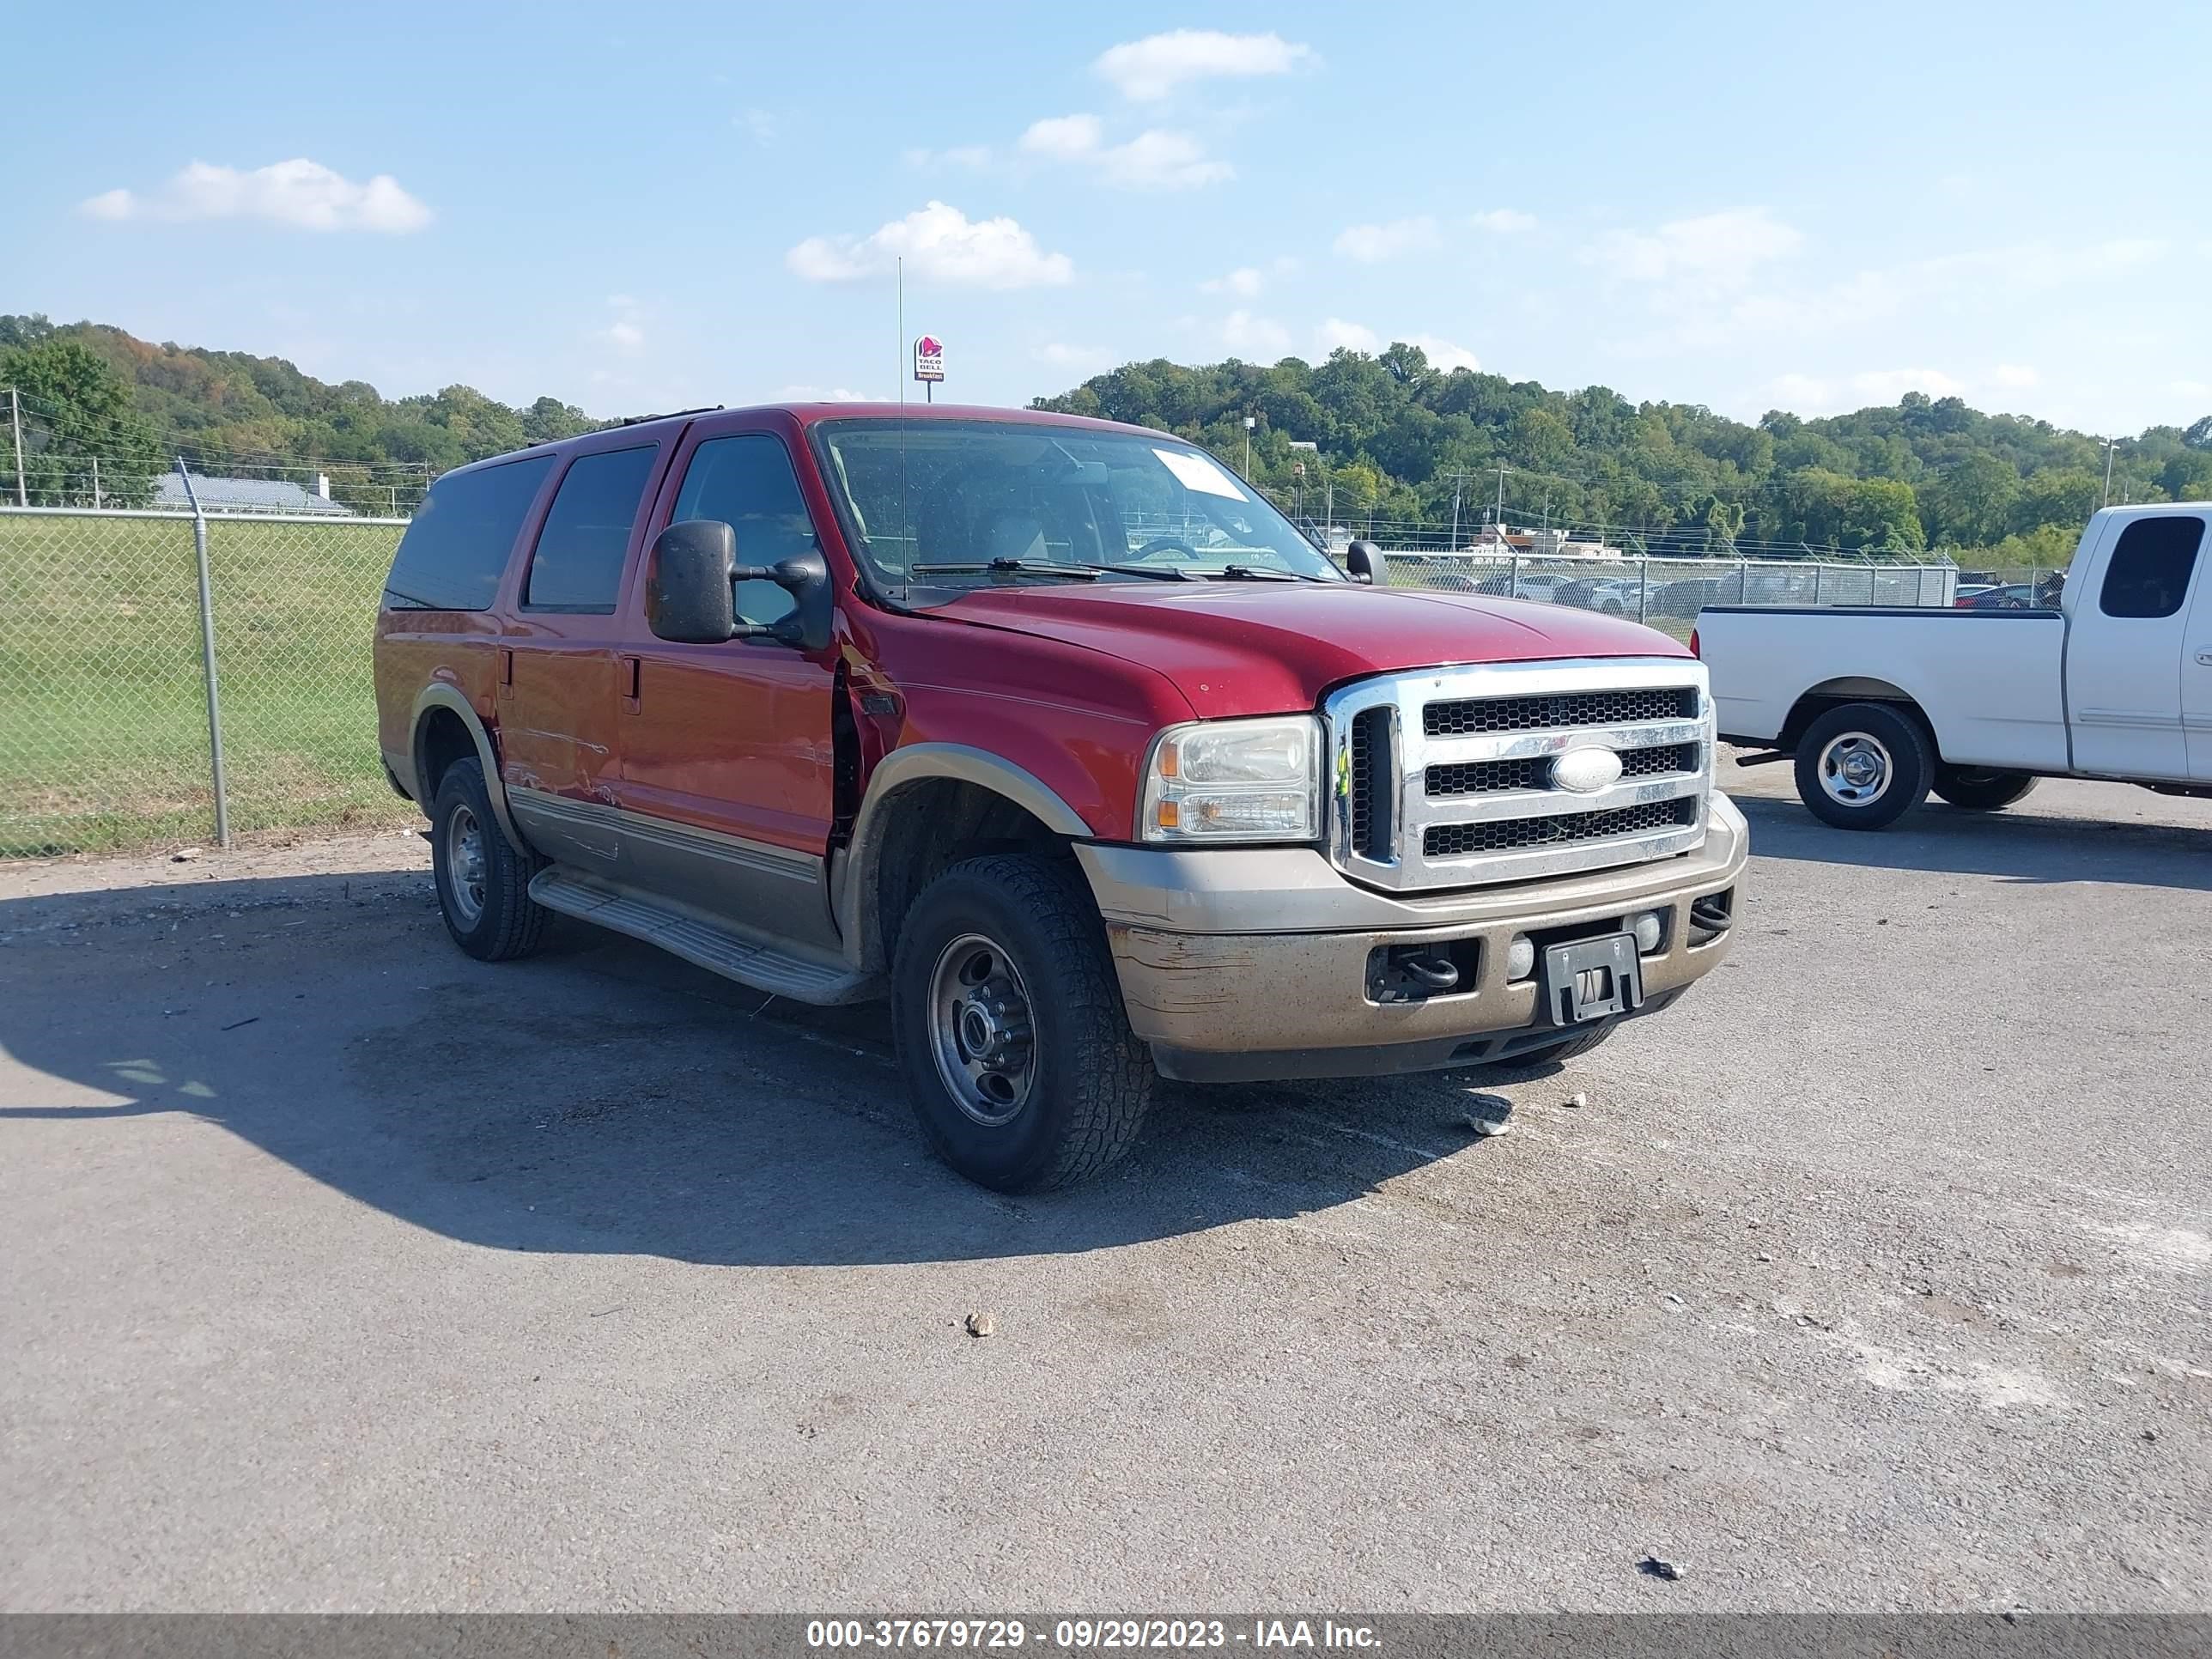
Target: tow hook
(1413, 973)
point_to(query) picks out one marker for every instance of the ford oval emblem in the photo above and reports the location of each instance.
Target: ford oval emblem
(1585, 771)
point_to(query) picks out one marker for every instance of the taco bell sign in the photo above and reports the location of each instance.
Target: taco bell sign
(928, 358)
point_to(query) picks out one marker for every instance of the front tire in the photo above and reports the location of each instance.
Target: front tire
(483, 884)
(1974, 790)
(1864, 766)
(1016, 1053)
(1572, 1047)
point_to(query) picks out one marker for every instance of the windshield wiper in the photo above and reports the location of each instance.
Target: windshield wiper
(1159, 573)
(1008, 566)
(1090, 572)
(1252, 572)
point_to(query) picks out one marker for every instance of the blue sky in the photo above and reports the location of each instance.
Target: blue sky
(632, 209)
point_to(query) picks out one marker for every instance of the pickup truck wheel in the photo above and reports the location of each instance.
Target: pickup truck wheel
(483, 884)
(1016, 1055)
(1864, 766)
(1973, 790)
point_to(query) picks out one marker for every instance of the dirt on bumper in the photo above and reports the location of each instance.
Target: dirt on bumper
(1254, 1005)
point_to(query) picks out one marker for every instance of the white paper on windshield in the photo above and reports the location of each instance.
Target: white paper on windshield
(1196, 472)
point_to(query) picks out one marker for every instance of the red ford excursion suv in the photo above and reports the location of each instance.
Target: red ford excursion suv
(1052, 732)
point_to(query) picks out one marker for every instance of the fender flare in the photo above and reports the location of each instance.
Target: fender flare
(442, 695)
(853, 873)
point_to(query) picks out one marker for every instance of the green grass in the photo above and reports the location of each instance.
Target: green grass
(103, 717)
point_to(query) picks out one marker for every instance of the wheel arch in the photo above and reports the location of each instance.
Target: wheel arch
(439, 712)
(927, 807)
(1844, 689)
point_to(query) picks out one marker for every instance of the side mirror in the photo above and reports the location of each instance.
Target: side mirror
(689, 594)
(1365, 560)
(687, 585)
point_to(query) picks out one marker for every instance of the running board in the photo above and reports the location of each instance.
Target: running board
(719, 949)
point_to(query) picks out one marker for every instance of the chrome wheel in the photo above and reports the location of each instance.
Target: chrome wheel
(464, 865)
(1856, 769)
(980, 1030)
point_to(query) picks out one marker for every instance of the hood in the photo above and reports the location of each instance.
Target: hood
(1266, 647)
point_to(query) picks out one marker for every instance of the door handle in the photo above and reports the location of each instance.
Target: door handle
(2204, 656)
(630, 670)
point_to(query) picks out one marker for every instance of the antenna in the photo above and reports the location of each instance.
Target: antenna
(898, 355)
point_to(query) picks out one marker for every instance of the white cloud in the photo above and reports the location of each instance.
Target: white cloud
(2194, 388)
(626, 332)
(1886, 386)
(1504, 222)
(1372, 244)
(1241, 330)
(1803, 394)
(1149, 69)
(759, 124)
(1713, 246)
(940, 244)
(1060, 355)
(1064, 138)
(303, 194)
(1162, 160)
(1244, 281)
(1444, 356)
(2015, 375)
(1809, 394)
(1337, 332)
(1153, 160)
(831, 394)
(973, 157)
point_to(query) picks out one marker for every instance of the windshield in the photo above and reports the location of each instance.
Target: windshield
(923, 493)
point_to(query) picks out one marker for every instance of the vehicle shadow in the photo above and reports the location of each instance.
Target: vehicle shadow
(2019, 847)
(601, 1097)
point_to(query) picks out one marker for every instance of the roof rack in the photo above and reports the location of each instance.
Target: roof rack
(640, 420)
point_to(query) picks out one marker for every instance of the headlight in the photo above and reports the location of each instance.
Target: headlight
(1224, 781)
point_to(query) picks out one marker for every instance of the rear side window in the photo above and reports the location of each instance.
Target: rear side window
(2149, 573)
(452, 554)
(748, 483)
(578, 562)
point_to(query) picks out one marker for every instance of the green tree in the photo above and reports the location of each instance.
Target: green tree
(77, 410)
(1971, 502)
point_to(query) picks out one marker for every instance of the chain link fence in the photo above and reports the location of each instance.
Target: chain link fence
(1668, 594)
(104, 703)
(104, 736)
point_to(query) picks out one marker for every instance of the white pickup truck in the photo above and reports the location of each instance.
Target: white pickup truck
(1879, 707)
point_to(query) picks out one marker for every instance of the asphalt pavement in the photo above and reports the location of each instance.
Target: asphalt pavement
(340, 1272)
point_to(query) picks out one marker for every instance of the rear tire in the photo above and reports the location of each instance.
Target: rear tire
(1973, 790)
(1016, 1055)
(1864, 765)
(483, 884)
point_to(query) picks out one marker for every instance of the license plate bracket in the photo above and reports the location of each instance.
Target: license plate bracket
(1591, 979)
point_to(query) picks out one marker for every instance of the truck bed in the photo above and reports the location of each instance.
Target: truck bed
(1989, 681)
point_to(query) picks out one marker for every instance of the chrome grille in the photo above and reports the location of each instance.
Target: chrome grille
(1451, 841)
(1449, 778)
(1462, 716)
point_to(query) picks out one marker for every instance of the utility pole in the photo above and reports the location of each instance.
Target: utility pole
(95, 483)
(2109, 442)
(1459, 481)
(15, 426)
(1249, 422)
(1501, 501)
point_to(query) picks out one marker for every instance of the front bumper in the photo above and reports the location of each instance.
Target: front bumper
(1243, 965)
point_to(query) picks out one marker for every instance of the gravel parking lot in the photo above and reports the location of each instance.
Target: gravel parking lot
(340, 1272)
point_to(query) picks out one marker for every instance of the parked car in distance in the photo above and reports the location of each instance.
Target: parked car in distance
(1964, 590)
(1879, 708)
(1056, 736)
(2013, 596)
